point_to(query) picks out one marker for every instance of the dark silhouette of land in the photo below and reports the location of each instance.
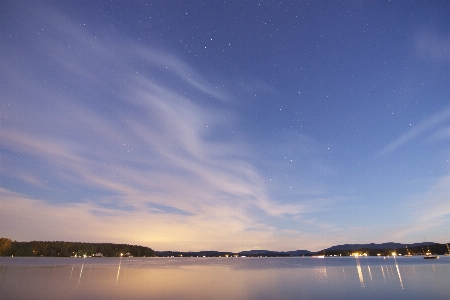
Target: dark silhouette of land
(67, 249)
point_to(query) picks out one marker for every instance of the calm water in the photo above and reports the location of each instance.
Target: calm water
(225, 278)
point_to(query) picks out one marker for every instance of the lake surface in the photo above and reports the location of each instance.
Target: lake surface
(225, 278)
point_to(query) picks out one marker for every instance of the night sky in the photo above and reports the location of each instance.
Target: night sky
(225, 125)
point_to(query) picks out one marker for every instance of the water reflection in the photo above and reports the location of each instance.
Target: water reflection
(360, 274)
(321, 274)
(382, 271)
(71, 271)
(226, 278)
(118, 270)
(81, 272)
(398, 272)
(370, 273)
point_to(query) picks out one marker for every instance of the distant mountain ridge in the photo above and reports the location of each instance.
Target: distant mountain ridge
(276, 253)
(389, 245)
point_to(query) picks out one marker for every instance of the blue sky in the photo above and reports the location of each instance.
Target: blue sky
(225, 125)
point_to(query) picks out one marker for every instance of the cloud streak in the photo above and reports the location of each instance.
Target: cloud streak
(127, 134)
(151, 161)
(431, 123)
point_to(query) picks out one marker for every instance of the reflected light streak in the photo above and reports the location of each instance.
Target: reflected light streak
(382, 271)
(71, 272)
(381, 266)
(368, 269)
(81, 271)
(118, 270)
(398, 272)
(370, 273)
(358, 267)
(390, 271)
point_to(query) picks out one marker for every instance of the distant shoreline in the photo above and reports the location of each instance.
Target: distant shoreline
(9, 247)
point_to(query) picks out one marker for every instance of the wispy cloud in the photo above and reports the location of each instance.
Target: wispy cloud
(433, 123)
(433, 209)
(428, 214)
(147, 152)
(430, 45)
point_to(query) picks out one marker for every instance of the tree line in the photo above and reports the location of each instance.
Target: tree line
(418, 250)
(67, 249)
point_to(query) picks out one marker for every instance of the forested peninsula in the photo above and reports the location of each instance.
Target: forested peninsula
(67, 249)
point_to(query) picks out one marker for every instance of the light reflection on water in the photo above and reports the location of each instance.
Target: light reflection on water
(225, 278)
(118, 270)
(360, 274)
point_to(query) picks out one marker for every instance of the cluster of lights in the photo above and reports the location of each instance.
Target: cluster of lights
(356, 254)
